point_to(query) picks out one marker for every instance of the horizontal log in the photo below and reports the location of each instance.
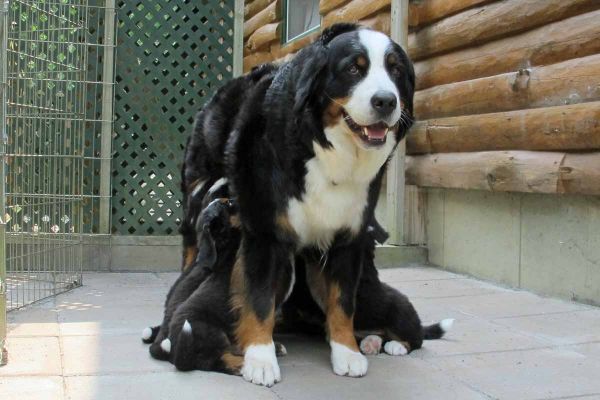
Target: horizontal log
(354, 11)
(263, 35)
(280, 51)
(257, 58)
(568, 82)
(563, 128)
(253, 7)
(269, 14)
(571, 38)
(327, 5)
(508, 171)
(424, 12)
(491, 21)
(381, 22)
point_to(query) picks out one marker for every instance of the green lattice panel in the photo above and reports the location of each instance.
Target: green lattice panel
(171, 56)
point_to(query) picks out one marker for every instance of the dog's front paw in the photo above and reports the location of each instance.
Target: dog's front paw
(347, 362)
(260, 365)
(371, 345)
(394, 348)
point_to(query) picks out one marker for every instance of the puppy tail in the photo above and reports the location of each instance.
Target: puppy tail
(149, 334)
(210, 356)
(185, 356)
(437, 331)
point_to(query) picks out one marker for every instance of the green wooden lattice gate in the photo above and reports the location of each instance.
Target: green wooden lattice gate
(171, 56)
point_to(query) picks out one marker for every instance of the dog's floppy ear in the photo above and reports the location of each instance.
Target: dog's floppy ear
(335, 30)
(207, 251)
(314, 61)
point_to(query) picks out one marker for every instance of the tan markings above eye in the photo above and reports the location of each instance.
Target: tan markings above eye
(361, 61)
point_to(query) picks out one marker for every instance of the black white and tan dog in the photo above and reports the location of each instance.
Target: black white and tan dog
(303, 148)
(198, 327)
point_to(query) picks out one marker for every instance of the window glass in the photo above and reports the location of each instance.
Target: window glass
(302, 16)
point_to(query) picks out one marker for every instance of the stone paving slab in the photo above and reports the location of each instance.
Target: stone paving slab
(505, 345)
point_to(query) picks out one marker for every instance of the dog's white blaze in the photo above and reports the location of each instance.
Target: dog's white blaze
(260, 365)
(346, 361)
(377, 78)
(187, 327)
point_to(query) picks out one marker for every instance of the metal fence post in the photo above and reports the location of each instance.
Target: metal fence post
(108, 79)
(3, 138)
(395, 171)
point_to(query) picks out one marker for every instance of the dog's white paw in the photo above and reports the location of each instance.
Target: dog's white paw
(146, 333)
(347, 362)
(260, 365)
(371, 345)
(394, 348)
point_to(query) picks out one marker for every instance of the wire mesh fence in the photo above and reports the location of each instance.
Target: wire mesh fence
(51, 157)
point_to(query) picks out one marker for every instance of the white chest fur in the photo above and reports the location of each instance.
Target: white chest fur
(336, 188)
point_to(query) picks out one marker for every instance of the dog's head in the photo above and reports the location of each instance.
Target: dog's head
(362, 81)
(218, 228)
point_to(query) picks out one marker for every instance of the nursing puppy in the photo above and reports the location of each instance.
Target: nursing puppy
(208, 226)
(305, 159)
(384, 320)
(198, 334)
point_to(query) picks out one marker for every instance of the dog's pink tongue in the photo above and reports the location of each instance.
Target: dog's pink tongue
(376, 131)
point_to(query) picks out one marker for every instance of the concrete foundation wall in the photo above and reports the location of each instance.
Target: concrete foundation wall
(545, 243)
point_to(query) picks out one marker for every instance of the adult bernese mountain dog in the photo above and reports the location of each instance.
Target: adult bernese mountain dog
(303, 147)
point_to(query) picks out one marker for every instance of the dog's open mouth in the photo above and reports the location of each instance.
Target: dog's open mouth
(373, 135)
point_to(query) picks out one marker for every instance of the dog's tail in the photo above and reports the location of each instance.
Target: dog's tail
(214, 355)
(150, 333)
(437, 331)
(185, 356)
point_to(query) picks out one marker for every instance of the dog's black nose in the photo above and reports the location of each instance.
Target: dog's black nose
(384, 102)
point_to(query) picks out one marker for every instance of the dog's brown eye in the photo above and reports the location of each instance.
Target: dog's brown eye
(353, 69)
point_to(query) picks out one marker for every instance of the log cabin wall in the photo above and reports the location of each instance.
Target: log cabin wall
(507, 144)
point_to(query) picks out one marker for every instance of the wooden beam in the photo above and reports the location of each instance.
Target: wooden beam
(483, 24)
(571, 38)
(573, 127)
(395, 184)
(327, 5)
(270, 14)
(380, 22)
(569, 82)
(279, 51)
(253, 7)
(424, 12)
(263, 36)
(257, 58)
(508, 171)
(354, 11)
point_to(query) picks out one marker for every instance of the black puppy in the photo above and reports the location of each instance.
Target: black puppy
(384, 318)
(199, 330)
(206, 225)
